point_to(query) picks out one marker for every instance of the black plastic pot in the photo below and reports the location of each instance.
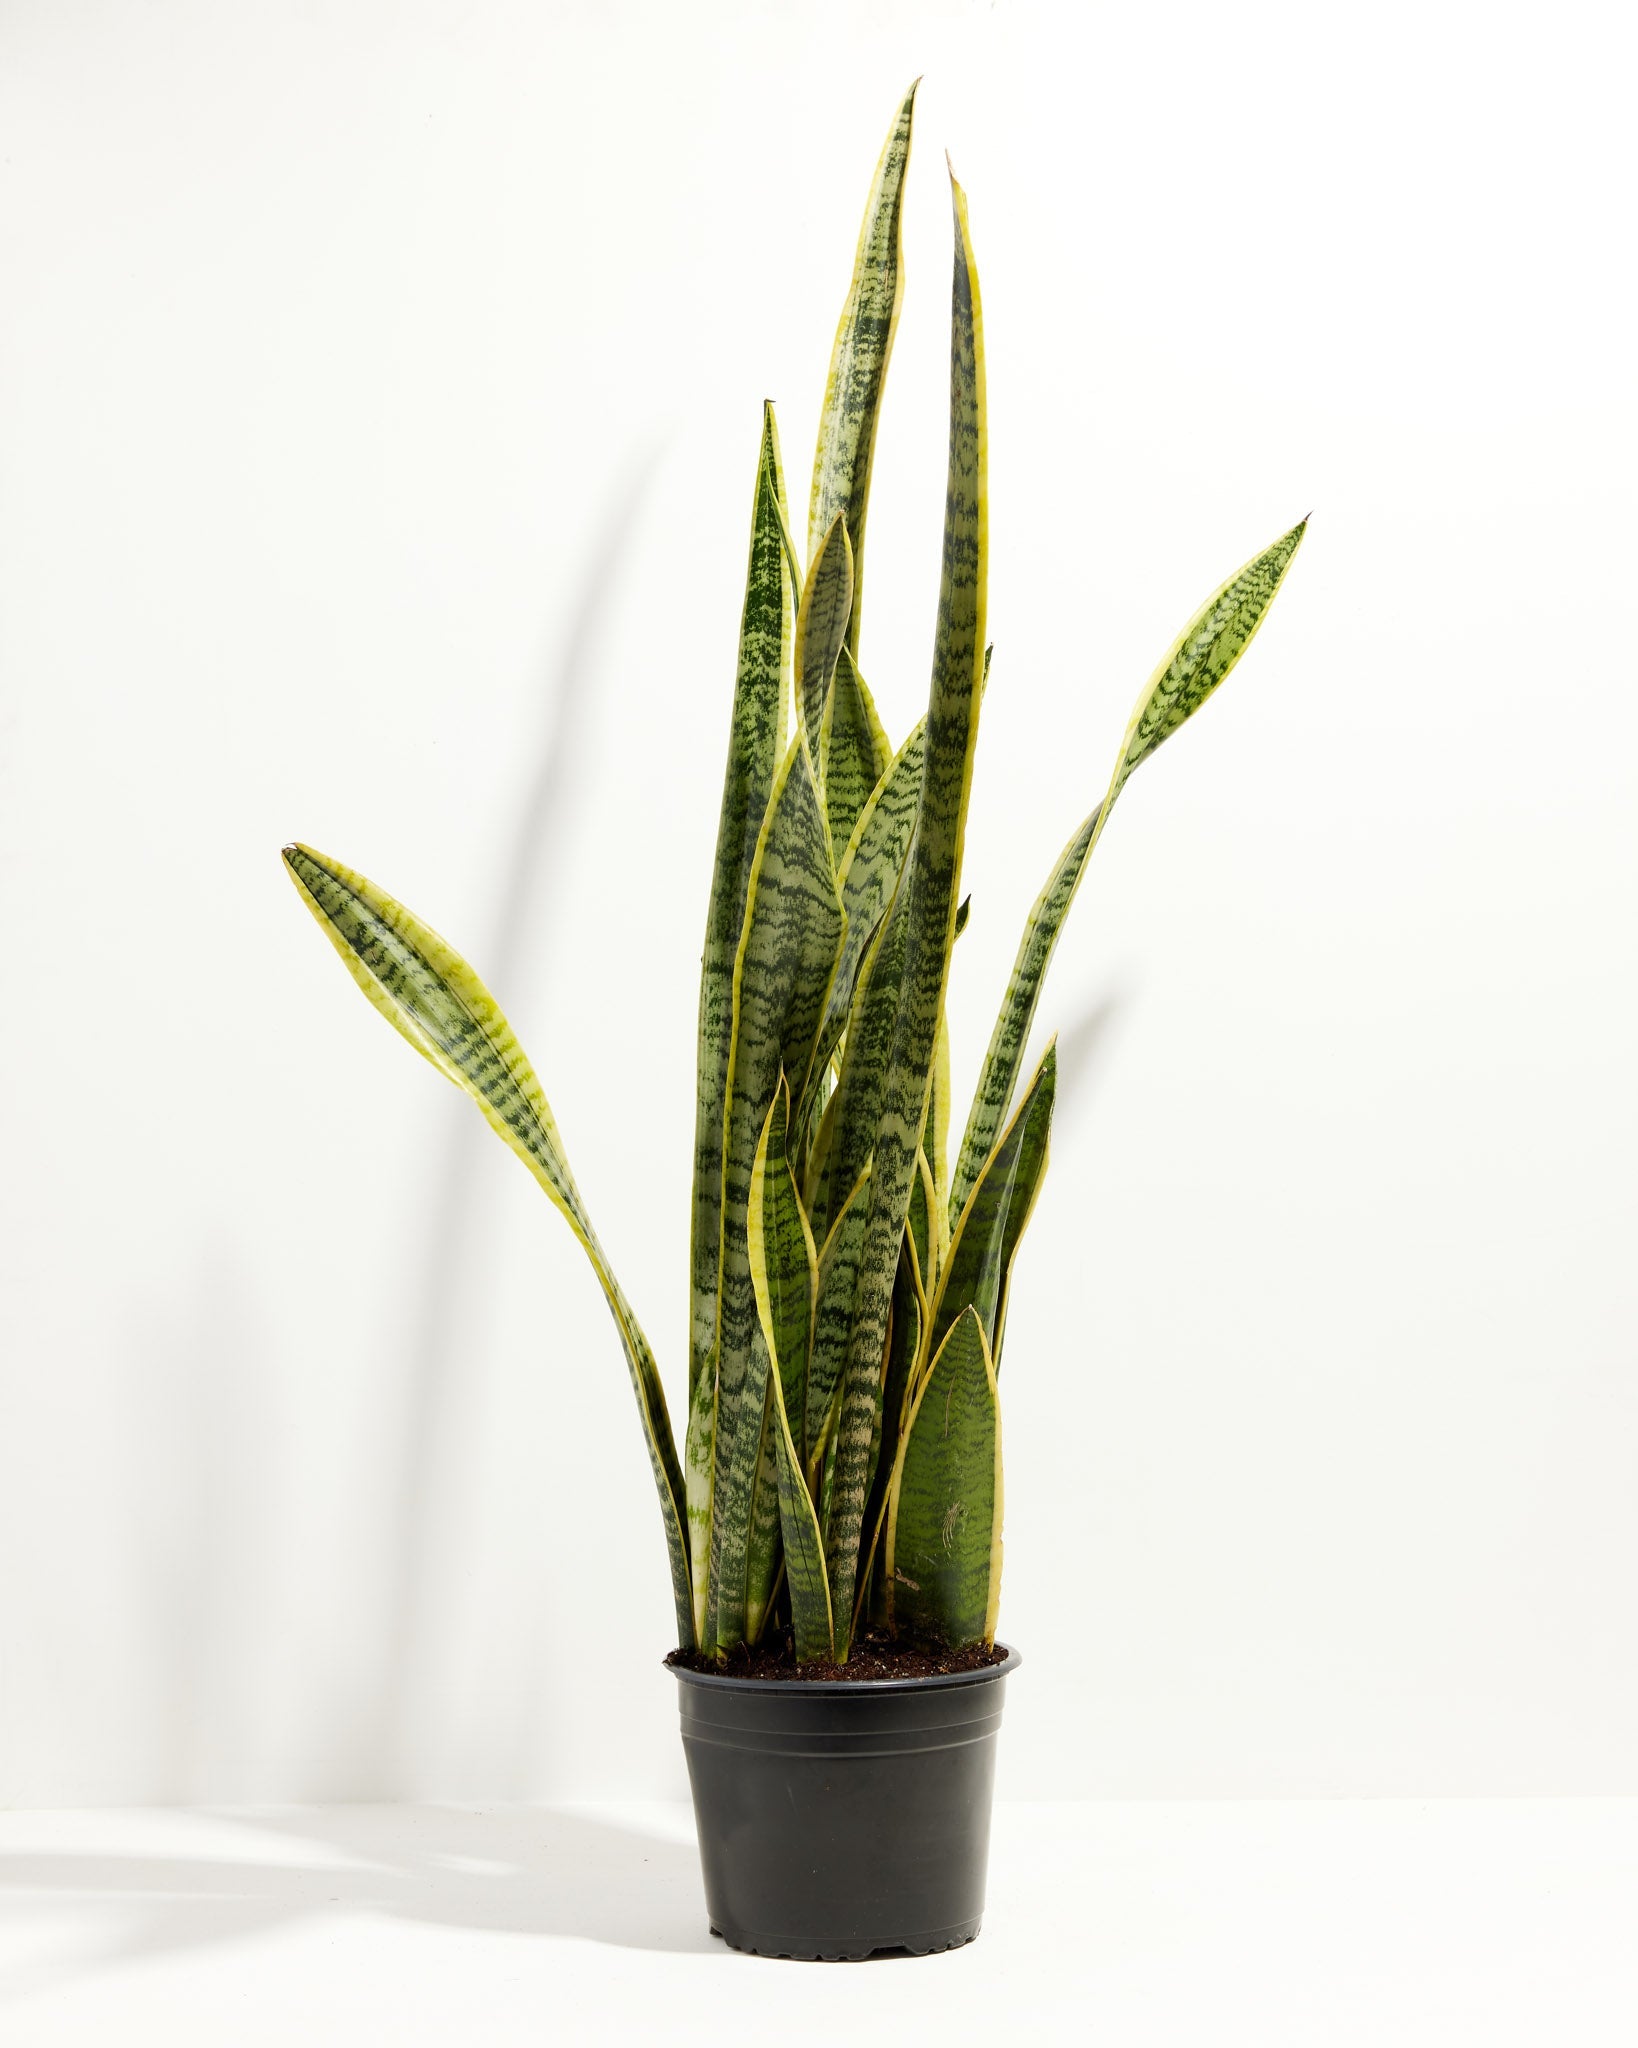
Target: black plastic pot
(844, 1818)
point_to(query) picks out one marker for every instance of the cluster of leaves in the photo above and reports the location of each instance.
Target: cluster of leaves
(842, 1461)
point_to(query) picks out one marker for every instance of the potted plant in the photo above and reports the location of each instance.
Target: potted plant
(833, 1514)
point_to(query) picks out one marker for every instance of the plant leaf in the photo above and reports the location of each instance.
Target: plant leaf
(919, 1221)
(856, 1112)
(981, 1252)
(859, 357)
(756, 740)
(784, 1274)
(793, 926)
(1203, 654)
(1198, 660)
(932, 880)
(854, 751)
(870, 871)
(431, 997)
(778, 1234)
(821, 622)
(904, 1351)
(945, 1500)
(833, 1313)
(935, 1139)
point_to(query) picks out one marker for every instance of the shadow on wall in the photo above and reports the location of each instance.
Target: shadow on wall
(527, 902)
(208, 1509)
(520, 1870)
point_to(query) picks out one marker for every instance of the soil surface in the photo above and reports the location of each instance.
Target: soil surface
(874, 1655)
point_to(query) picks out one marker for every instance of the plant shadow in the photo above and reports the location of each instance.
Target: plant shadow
(384, 1755)
(529, 1871)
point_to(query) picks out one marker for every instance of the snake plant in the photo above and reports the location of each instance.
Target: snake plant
(841, 1465)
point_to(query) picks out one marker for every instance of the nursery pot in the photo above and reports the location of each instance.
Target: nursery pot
(844, 1818)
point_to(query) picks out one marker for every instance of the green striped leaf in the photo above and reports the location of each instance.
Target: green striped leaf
(870, 871)
(784, 1274)
(1203, 654)
(784, 1260)
(756, 740)
(932, 885)
(793, 926)
(821, 622)
(858, 363)
(935, 1137)
(908, 1324)
(856, 1113)
(429, 994)
(833, 1314)
(945, 1500)
(919, 1222)
(995, 1218)
(1197, 662)
(854, 752)
(763, 1552)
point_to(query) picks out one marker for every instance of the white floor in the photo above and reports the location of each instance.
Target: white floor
(1319, 1924)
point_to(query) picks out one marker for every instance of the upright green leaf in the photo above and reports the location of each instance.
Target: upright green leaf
(857, 1109)
(919, 1218)
(821, 622)
(1202, 655)
(833, 1314)
(790, 1261)
(854, 752)
(779, 1241)
(935, 1138)
(756, 739)
(793, 925)
(858, 363)
(945, 1501)
(994, 1219)
(904, 1351)
(932, 879)
(784, 1276)
(870, 871)
(431, 997)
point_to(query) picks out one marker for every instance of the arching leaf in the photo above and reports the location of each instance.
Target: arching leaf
(431, 997)
(756, 741)
(945, 1501)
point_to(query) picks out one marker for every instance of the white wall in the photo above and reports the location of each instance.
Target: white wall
(379, 396)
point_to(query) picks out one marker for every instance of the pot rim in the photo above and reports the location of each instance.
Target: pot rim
(933, 1681)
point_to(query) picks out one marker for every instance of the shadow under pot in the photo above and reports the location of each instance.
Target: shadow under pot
(844, 1818)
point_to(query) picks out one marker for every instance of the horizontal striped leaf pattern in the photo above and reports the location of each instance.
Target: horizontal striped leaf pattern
(1005, 1055)
(784, 1276)
(870, 869)
(854, 750)
(1203, 654)
(856, 1113)
(833, 1313)
(1196, 663)
(932, 880)
(821, 624)
(793, 925)
(756, 740)
(859, 358)
(945, 1502)
(904, 1356)
(994, 1219)
(436, 1001)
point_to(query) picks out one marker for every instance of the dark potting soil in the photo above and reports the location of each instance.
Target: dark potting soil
(874, 1655)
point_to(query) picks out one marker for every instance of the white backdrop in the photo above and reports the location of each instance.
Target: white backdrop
(379, 396)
